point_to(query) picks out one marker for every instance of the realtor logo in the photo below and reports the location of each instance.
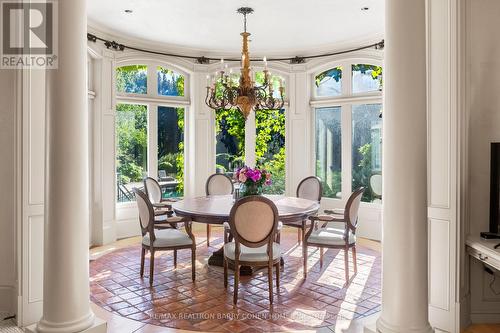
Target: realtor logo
(28, 34)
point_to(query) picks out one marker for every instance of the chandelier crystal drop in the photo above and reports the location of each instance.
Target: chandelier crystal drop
(246, 96)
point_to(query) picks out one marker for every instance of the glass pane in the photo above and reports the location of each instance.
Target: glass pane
(170, 83)
(131, 148)
(171, 151)
(329, 83)
(230, 140)
(366, 78)
(270, 147)
(367, 150)
(329, 150)
(132, 79)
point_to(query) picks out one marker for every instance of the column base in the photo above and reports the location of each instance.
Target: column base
(382, 327)
(99, 326)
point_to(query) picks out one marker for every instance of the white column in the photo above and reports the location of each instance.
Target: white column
(66, 305)
(404, 281)
(250, 136)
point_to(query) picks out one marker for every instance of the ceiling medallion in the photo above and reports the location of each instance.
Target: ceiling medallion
(246, 96)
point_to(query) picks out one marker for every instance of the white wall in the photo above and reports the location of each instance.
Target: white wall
(483, 62)
(8, 193)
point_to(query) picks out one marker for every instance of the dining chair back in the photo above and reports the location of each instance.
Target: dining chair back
(310, 188)
(352, 209)
(152, 189)
(219, 184)
(146, 213)
(254, 221)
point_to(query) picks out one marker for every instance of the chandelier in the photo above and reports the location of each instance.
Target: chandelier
(246, 96)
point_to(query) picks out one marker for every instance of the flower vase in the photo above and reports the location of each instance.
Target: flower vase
(250, 189)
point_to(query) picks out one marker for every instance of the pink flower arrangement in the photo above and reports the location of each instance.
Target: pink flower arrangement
(253, 179)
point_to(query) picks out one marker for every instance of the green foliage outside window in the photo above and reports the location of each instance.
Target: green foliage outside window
(270, 140)
(132, 79)
(170, 83)
(132, 140)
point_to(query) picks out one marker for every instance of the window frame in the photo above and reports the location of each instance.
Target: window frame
(152, 100)
(345, 101)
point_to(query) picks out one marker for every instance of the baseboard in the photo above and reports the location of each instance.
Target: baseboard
(7, 294)
(485, 318)
(109, 232)
(127, 228)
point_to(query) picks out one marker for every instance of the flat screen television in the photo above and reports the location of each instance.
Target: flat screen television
(494, 231)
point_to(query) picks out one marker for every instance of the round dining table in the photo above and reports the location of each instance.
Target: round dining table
(215, 209)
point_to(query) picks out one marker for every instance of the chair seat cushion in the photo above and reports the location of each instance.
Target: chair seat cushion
(251, 254)
(168, 238)
(332, 234)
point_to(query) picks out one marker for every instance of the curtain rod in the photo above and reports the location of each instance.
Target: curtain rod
(206, 60)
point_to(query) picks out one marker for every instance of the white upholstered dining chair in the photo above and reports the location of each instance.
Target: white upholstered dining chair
(309, 188)
(337, 231)
(217, 184)
(153, 191)
(168, 239)
(253, 223)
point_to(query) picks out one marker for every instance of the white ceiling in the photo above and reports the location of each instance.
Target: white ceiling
(285, 27)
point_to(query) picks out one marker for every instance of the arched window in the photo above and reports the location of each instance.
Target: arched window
(349, 133)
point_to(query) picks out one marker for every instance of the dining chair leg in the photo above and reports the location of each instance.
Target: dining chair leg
(225, 272)
(193, 263)
(151, 266)
(208, 234)
(270, 279)
(175, 258)
(346, 260)
(304, 256)
(354, 260)
(236, 281)
(143, 255)
(277, 278)
(320, 257)
(299, 236)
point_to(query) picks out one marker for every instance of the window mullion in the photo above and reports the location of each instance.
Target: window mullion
(152, 82)
(346, 151)
(153, 140)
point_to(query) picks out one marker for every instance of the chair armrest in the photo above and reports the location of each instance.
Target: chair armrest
(162, 204)
(336, 211)
(322, 218)
(161, 212)
(171, 219)
(325, 219)
(169, 200)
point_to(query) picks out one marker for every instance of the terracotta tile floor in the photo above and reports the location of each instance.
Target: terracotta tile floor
(321, 301)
